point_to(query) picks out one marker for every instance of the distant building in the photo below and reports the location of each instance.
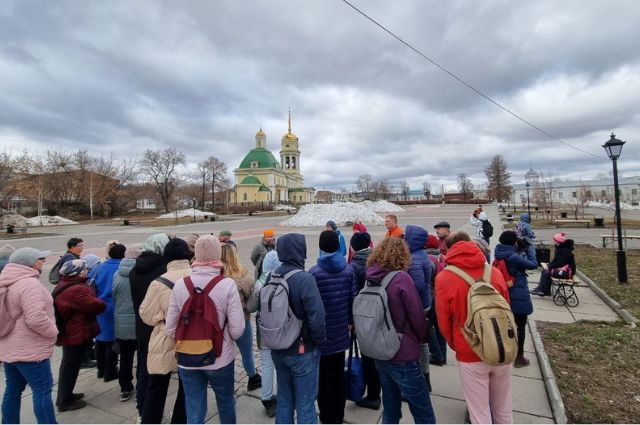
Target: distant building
(260, 178)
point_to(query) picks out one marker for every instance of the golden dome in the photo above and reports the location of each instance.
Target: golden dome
(289, 137)
(260, 133)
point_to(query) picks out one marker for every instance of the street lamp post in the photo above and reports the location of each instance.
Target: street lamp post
(193, 204)
(613, 147)
(527, 185)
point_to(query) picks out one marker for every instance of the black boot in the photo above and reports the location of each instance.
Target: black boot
(270, 406)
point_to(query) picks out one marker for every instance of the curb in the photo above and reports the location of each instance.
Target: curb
(550, 384)
(621, 311)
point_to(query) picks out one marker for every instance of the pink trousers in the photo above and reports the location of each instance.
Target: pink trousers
(487, 390)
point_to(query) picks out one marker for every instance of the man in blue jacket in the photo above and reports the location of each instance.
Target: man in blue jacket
(297, 366)
(331, 225)
(337, 286)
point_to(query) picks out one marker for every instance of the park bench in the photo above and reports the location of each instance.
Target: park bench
(563, 292)
(132, 223)
(615, 238)
(569, 221)
(22, 230)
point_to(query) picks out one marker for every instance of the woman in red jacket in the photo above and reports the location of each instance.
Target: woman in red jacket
(76, 309)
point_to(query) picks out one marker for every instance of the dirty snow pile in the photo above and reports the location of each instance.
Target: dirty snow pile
(190, 212)
(611, 205)
(281, 207)
(382, 206)
(13, 219)
(49, 220)
(341, 212)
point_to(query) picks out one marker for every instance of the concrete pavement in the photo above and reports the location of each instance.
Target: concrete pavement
(530, 401)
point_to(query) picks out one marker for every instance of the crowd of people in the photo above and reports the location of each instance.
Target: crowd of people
(184, 305)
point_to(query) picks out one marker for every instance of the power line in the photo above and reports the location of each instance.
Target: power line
(460, 80)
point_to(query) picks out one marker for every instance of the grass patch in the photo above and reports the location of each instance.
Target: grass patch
(597, 368)
(600, 265)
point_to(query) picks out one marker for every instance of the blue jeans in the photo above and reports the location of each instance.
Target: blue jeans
(404, 379)
(297, 376)
(195, 390)
(245, 345)
(267, 374)
(38, 376)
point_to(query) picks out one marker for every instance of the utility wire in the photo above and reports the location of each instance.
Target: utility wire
(460, 80)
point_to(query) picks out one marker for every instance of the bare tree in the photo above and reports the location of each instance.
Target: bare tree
(465, 186)
(404, 189)
(161, 167)
(219, 179)
(381, 189)
(544, 192)
(498, 179)
(6, 175)
(426, 189)
(365, 184)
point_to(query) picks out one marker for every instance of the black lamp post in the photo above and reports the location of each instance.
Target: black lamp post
(614, 148)
(193, 204)
(527, 185)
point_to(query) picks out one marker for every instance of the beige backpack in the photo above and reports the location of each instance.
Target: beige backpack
(490, 328)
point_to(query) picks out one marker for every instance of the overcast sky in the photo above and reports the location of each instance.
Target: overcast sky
(204, 76)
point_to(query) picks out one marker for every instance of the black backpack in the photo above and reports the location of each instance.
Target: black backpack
(487, 229)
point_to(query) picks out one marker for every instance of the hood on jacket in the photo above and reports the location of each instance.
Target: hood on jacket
(292, 249)
(156, 243)
(483, 216)
(13, 272)
(502, 252)
(125, 266)
(525, 217)
(333, 262)
(415, 236)
(362, 254)
(149, 261)
(465, 254)
(375, 273)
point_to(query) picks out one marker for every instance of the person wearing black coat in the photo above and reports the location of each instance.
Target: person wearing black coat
(149, 265)
(562, 256)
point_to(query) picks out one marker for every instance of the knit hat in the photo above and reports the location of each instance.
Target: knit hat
(270, 262)
(442, 224)
(6, 251)
(432, 242)
(134, 250)
(73, 267)
(117, 251)
(269, 233)
(329, 242)
(359, 227)
(156, 243)
(92, 260)
(332, 224)
(27, 256)
(508, 237)
(177, 249)
(224, 233)
(559, 238)
(360, 240)
(208, 249)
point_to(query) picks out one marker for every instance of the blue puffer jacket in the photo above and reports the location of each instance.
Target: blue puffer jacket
(337, 286)
(343, 243)
(125, 318)
(517, 264)
(103, 281)
(420, 269)
(524, 228)
(303, 292)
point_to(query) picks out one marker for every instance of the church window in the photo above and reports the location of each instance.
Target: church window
(244, 197)
(254, 164)
(293, 162)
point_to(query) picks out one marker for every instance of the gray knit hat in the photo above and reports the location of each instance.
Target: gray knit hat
(27, 256)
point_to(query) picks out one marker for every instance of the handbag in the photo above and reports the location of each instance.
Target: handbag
(354, 383)
(563, 272)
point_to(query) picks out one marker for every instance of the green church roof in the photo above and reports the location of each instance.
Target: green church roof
(251, 180)
(264, 189)
(263, 157)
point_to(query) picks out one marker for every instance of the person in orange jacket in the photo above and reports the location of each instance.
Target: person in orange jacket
(393, 230)
(487, 389)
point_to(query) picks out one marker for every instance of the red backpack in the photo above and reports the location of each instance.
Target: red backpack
(502, 266)
(199, 335)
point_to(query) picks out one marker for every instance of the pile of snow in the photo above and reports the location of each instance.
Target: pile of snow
(13, 219)
(49, 220)
(611, 205)
(340, 212)
(190, 212)
(382, 206)
(281, 207)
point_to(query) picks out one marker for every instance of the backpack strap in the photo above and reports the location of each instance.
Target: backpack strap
(291, 273)
(189, 284)
(212, 283)
(166, 282)
(387, 279)
(464, 275)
